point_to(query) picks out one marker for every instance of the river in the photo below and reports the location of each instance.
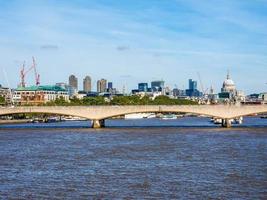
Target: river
(188, 158)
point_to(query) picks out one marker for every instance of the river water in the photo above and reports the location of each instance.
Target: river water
(188, 158)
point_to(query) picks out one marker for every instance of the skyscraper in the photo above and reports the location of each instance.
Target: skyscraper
(73, 82)
(157, 85)
(73, 85)
(102, 85)
(192, 84)
(110, 85)
(192, 91)
(87, 84)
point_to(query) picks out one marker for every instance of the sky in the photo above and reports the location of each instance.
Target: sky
(131, 41)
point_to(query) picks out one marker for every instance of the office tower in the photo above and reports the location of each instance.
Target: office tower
(110, 85)
(102, 85)
(142, 87)
(73, 82)
(192, 91)
(157, 85)
(192, 85)
(87, 84)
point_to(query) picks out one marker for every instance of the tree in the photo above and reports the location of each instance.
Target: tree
(93, 101)
(75, 101)
(2, 100)
(61, 101)
(165, 100)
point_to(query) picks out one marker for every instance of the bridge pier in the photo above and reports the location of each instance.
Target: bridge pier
(98, 123)
(226, 123)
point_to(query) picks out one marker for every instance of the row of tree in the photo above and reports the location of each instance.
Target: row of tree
(121, 100)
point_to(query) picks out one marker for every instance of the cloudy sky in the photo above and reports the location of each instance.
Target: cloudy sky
(131, 41)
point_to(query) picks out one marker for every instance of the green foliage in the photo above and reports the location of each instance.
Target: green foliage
(164, 100)
(93, 101)
(125, 100)
(2, 100)
(120, 100)
(58, 102)
(160, 100)
(75, 101)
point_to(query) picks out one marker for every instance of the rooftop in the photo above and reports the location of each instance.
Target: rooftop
(41, 87)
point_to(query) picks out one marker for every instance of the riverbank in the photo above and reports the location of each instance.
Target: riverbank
(14, 121)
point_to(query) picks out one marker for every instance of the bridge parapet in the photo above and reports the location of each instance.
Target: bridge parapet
(104, 112)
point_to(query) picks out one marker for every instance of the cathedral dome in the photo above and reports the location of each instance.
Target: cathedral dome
(228, 85)
(228, 82)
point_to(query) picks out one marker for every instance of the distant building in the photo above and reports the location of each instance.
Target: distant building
(73, 85)
(157, 86)
(256, 99)
(5, 92)
(102, 85)
(178, 93)
(167, 91)
(63, 85)
(73, 82)
(110, 85)
(263, 97)
(135, 91)
(193, 91)
(36, 95)
(111, 90)
(81, 94)
(87, 84)
(143, 87)
(192, 84)
(229, 93)
(92, 94)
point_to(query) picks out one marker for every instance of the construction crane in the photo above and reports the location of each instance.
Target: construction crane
(37, 76)
(201, 84)
(23, 73)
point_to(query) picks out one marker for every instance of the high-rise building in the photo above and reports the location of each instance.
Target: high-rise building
(142, 87)
(157, 85)
(87, 84)
(110, 85)
(193, 91)
(73, 82)
(192, 84)
(110, 88)
(102, 85)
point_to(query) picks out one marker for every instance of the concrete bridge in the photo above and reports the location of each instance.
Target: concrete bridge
(98, 114)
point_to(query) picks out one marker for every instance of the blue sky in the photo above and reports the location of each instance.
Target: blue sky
(131, 41)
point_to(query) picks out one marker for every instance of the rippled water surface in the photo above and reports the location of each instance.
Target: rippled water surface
(191, 160)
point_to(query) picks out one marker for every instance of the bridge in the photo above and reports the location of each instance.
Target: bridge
(98, 114)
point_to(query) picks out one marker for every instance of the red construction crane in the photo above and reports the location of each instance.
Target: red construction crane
(23, 73)
(37, 76)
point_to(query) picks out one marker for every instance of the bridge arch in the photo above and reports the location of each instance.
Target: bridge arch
(156, 111)
(251, 114)
(46, 112)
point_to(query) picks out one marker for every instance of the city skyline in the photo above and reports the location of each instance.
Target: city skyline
(128, 43)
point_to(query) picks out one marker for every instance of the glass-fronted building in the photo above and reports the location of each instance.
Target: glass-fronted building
(143, 87)
(157, 86)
